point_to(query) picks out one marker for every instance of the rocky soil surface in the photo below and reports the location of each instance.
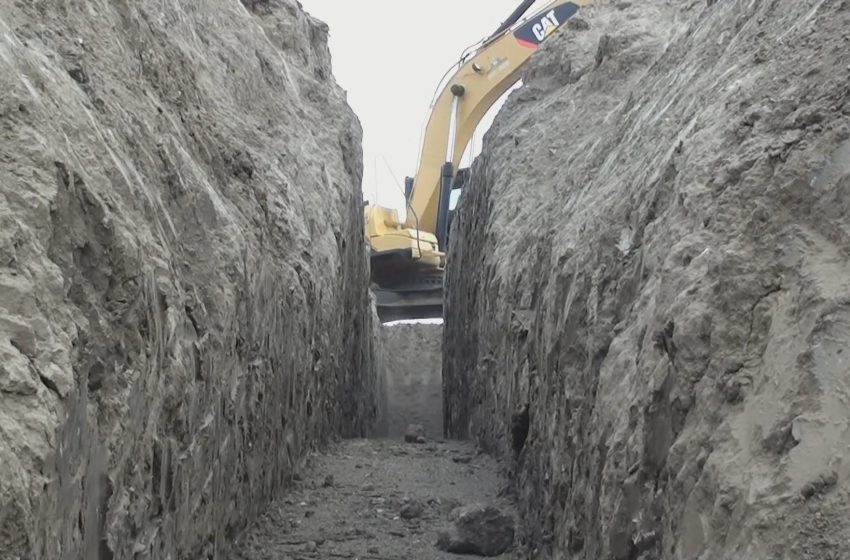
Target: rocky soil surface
(648, 305)
(381, 500)
(183, 280)
(411, 363)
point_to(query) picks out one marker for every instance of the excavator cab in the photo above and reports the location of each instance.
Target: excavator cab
(408, 281)
(406, 268)
(408, 258)
(407, 275)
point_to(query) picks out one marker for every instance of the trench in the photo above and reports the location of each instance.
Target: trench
(386, 497)
(645, 347)
(191, 366)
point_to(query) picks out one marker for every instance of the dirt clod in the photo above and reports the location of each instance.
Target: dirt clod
(411, 509)
(819, 485)
(478, 529)
(415, 433)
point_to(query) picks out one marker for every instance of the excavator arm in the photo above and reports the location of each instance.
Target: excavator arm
(408, 258)
(477, 84)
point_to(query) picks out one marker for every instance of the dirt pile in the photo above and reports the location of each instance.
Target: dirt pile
(411, 363)
(654, 256)
(183, 280)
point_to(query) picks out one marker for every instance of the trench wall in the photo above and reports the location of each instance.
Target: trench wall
(184, 309)
(647, 295)
(411, 365)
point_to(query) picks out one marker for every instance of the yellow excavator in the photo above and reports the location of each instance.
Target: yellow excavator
(408, 258)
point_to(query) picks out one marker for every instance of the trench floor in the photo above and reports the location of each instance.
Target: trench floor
(349, 504)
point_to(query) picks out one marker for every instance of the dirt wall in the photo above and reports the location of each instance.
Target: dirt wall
(648, 284)
(183, 283)
(411, 362)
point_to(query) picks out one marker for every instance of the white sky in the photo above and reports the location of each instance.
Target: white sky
(390, 56)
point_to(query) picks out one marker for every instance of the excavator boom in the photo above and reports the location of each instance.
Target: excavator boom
(408, 258)
(482, 79)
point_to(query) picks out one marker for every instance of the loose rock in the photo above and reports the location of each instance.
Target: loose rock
(415, 433)
(478, 529)
(411, 510)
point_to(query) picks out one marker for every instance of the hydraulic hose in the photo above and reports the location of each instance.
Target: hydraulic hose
(513, 18)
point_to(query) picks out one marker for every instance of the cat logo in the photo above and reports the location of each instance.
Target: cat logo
(545, 26)
(533, 33)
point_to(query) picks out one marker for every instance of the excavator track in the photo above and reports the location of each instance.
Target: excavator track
(405, 289)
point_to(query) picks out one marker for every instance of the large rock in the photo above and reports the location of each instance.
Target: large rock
(478, 529)
(415, 433)
(183, 278)
(653, 255)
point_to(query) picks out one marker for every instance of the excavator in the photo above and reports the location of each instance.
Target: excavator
(408, 258)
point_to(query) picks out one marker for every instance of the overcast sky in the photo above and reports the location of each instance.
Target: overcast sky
(390, 57)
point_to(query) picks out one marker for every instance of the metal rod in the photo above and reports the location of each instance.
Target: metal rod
(448, 171)
(446, 179)
(450, 151)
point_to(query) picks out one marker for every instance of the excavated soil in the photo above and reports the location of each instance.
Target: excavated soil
(348, 504)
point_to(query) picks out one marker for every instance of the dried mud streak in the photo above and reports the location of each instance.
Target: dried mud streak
(358, 516)
(184, 309)
(653, 254)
